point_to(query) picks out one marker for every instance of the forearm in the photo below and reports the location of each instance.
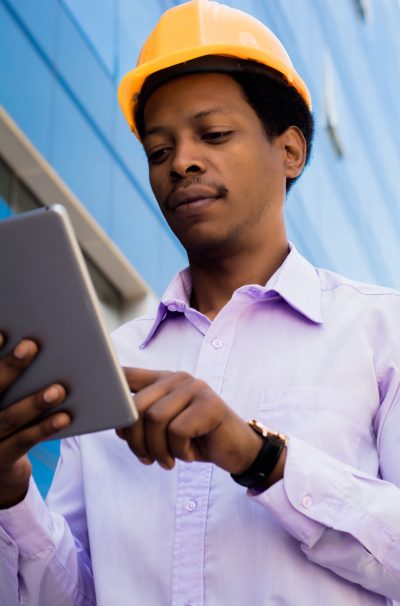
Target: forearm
(330, 507)
(40, 561)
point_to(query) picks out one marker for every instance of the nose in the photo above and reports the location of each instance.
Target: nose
(186, 161)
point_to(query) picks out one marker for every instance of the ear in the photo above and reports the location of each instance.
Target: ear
(294, 147)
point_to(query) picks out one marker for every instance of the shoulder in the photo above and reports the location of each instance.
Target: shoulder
(334, 283)
(353, 303)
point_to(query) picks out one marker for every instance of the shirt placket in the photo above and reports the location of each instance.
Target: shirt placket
(194, 480)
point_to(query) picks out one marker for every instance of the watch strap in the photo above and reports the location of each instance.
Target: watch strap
(256, 476)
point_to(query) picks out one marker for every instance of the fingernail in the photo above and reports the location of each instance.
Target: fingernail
(21, 351)
(51, 394)
(167, 466)
(60, 421)
(145, 460)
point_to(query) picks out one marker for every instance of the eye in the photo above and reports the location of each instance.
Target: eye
(158, 155)
(217, 136)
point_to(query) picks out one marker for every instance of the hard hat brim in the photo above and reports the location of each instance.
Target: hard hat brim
(132, 83)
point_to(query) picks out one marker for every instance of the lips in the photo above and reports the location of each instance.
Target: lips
(190, 194)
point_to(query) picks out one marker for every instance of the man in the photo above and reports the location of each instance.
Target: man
(250, 331)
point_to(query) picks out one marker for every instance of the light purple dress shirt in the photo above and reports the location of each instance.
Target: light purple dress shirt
(311, 354)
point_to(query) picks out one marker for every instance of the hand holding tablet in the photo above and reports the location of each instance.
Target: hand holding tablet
(19, 428)
(54, 351)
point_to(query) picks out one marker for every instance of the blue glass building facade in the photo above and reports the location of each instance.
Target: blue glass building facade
(60, 64)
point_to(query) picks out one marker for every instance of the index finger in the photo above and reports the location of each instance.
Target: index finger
(139, 378)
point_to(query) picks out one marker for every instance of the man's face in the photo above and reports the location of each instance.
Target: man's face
(219, 181)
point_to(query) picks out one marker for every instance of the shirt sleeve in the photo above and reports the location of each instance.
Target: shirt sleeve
(347, 520)
(42, 563)
(344, 519)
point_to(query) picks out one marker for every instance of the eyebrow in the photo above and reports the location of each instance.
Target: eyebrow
(156, 130)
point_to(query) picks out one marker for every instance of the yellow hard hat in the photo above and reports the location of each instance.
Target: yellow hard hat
(199, 28)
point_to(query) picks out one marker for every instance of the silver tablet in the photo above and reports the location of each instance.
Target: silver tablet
(46, 294)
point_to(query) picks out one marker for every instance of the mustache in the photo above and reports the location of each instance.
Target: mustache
(217, 189)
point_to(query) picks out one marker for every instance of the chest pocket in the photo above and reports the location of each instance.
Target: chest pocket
(336, 421)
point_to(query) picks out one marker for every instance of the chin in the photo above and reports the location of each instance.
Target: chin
(209, 247)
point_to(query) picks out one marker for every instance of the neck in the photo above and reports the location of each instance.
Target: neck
(214, 283)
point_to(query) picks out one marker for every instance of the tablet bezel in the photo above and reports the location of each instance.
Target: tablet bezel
(47, 295)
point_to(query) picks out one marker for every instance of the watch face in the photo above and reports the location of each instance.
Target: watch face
(258, 427)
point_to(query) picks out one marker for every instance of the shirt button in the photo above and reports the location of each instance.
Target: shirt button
(190, 506)
(307, 501)
(217, 343)
(172, 307)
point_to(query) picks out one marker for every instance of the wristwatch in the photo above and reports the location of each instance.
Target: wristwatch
(257, 475)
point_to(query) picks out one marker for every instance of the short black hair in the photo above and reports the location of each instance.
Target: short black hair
(276, 102)
(278, 106)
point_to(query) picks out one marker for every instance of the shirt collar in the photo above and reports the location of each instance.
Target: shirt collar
(296, 281)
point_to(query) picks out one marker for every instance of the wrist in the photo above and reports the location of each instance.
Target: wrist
(12, 498)
(277, 472)
(268, 466)
(253, 448)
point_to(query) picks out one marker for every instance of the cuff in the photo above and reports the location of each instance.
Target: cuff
(8, 550)
(303, 504)
(27, 525)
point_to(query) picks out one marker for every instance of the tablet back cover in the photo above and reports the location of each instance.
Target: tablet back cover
(46, 295)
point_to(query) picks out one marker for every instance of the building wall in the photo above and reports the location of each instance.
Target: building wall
(64, 99)
(60, 64)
